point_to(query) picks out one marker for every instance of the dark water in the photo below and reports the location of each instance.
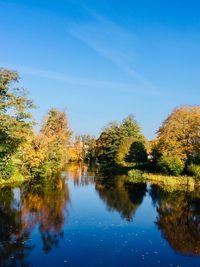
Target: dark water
(80, 220)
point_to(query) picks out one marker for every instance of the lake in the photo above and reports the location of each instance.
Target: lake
(84, 219)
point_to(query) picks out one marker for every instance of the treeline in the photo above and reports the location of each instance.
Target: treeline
(121, 145)
(175, 151)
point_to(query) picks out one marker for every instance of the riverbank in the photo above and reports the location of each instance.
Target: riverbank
(171, 182)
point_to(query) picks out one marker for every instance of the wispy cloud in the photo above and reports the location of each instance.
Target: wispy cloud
(111, 41)
(78, 82)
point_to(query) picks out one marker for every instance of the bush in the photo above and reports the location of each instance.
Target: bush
(171, 165)
(194, 170)
(136, 174)
(7, 169)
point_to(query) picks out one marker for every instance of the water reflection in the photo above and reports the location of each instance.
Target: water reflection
(41, 205)
(13, 235)
(80, 174)
(34, 219)
(115, 191)
(178, 219)
(120, 196)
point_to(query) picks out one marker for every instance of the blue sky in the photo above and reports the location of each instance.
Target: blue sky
(102, 60)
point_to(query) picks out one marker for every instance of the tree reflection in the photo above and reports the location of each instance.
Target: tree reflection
(44, 205)
(14, 246)
(81, 174)
(178, 219)
(121, 196)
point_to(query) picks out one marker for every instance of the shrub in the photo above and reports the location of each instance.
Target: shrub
(194, 170)
(136, 174)
(171, 165)
(7, 169)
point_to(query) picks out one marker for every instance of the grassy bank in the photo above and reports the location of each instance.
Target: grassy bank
(170, 182)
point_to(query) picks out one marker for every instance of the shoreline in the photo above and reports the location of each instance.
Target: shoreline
(172, 182)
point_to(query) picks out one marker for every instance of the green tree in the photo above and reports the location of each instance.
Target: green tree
(15, 120)
(115, 140)
(123, 151)
(171, 164)
(137, 152)
(108, 143)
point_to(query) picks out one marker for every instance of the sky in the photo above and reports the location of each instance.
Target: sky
(105, 59)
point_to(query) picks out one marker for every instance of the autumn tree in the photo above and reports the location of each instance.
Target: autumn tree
(33, 155)
(76, 150)
(46, 152)
(82, 149)
(55, 129)
(178, 141)
(15, 120)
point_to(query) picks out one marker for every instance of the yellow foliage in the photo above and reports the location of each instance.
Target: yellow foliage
(34, 150)
(179, 134)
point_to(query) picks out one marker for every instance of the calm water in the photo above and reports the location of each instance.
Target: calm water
(80, 220)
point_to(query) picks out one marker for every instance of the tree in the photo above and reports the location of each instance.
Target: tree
(33, 154)
(114, 142)
(108, 143)
(123, 151)
(137, 152)
(179, 135)
(15, 120)
(55, 129)
(169, 164)
(45, 153)
(76, 150)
